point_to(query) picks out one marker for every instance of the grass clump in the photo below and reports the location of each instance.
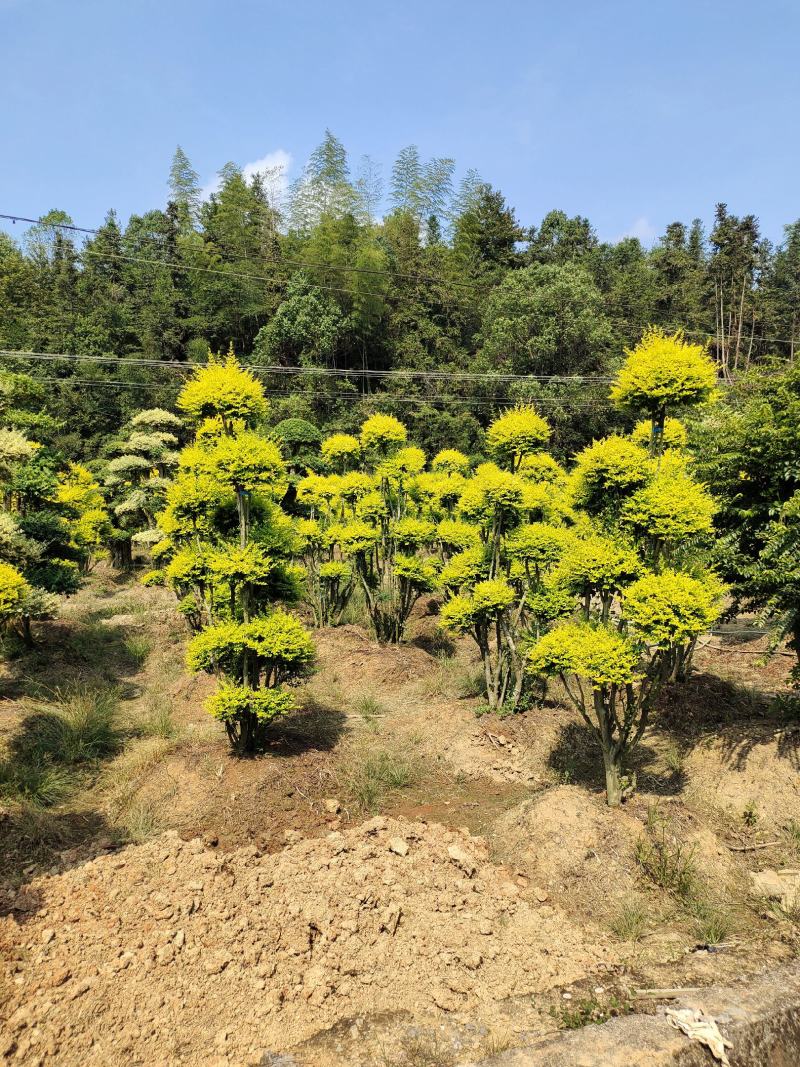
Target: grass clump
(370, 709)
(79, 727)
(41, 784)
(139, 820)
(793, 832)
(629, 922)
(713, 924)
(674, 759)
(470, 682)
(667, 861)
(57, 742)
(371, 776)
(138, 648)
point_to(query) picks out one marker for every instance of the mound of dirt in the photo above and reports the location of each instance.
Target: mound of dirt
(569, 840)
(760, 773)
(172, 953)
(571, 843)
(351, 656)
(480, 752)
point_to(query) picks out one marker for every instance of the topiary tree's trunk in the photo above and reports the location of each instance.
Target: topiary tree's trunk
(657, 432)
(613, 772)
(122, 553)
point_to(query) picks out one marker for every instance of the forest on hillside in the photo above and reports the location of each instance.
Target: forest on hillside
(429, 295)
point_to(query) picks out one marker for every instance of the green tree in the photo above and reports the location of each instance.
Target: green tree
(747, 447)
(546, 319)
(227, 546)
(184, 189)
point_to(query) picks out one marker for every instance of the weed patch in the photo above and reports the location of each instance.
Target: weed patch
(369, 777)
(629, 922)
(590, 1011)
(667, 862)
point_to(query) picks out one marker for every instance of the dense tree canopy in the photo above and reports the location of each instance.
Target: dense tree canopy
(342, 275)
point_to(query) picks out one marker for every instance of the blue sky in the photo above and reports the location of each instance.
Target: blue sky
(632, 113)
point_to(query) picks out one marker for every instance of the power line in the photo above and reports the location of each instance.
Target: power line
(384, 397)
(711, 332)
(241, 275)
(356, 372)
(289, 263)
(109, 382)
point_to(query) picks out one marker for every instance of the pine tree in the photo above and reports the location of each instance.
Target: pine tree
(184, 190)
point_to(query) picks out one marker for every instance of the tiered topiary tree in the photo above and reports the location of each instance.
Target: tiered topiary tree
(226, 549)
(137, 478)
(52, 524)
(661, 375)
(612, 673)
(80, 496)
(637, 566)
(497, 587)
(387, 541)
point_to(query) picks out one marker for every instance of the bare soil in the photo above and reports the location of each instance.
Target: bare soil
(186, 907)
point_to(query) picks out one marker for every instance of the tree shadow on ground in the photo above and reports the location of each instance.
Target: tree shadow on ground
(66, 654)
(33, 839)
(577, 758)
(314, 727)
(435, 643)
(739, 717)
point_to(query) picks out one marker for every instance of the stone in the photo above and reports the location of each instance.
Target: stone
(59, 977)
(166, 954)
(399, 846)
(783, 885)
(463, 861)
(332, 806)
(391, 918)
(217, 962)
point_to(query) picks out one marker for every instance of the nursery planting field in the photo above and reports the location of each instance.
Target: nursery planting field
(320, 750)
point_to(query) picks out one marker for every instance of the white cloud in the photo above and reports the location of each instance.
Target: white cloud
(643, 229)
(274, 169)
